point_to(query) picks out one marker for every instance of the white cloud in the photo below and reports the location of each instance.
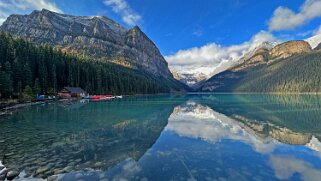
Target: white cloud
(286, 166)
(121, 7)
(286, 19)
(213, 58)
(8, 7)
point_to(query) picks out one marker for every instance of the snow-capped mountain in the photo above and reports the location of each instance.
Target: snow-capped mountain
(265, 45)
(314, 41)
(189, 78)
(193, 77)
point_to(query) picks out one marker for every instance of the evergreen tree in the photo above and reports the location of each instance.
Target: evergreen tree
(54, 78)
(27, 75)
(5, 86)
(46, 70)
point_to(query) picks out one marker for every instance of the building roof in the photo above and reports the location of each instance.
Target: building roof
(75, 90)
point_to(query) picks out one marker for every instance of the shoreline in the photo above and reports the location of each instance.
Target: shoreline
(258, 93)
(6, 110)
(9, 109)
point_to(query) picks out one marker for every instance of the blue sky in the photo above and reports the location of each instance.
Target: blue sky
(187, 32)
(181, 24)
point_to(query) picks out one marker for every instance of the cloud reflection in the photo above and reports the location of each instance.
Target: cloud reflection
(201, 122)
(286, 166)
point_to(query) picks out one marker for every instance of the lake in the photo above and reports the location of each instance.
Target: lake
(192, 137)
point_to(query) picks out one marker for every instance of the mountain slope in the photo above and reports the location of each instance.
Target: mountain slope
(95, 36)
(290, 67)
(314, 41)
(27, 69)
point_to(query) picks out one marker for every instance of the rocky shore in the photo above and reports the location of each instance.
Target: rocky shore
(8, 107)
(7, 173)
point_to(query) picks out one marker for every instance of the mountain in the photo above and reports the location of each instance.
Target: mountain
(314, 41)
(198, 75)
(288, 49)
(190, 79)
(94, 36)
(288, 67)
(255, 56)
(27, 69)
(318, 47)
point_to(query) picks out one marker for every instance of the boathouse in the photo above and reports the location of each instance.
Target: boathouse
(68, 92)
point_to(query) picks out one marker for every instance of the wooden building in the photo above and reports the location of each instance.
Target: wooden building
(68, 92)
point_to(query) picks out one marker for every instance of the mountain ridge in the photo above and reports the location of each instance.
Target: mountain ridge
(277, 72)
(94, 36)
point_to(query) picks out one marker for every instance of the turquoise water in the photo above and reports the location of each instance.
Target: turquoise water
(193, 137)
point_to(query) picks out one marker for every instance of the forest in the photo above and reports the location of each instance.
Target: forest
(27, 69)
(300, 73)
(296, 74)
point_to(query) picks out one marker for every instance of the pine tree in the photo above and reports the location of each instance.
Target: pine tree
(37, 87)
(54, 78)
(27, 75)
(5, 86)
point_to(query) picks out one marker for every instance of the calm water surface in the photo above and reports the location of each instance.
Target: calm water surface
(192, 137)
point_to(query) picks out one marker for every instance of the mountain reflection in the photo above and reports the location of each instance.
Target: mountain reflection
(69, 136)
(199, 143)
(197, 121)
(299, 113)
(193, 137)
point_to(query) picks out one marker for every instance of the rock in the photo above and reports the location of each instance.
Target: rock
(102, 37)
(3, 174)
(52, 178)
(4, 171)
(42, 170)
(98, 164)
(12, 174)
(287, 49)
(68, 169)
(2, 167)
(58, 171)
(9, 154)
(2, 177)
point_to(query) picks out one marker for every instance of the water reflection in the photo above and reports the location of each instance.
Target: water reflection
(69, 136)
(201, 122)
(195, 137)
(199, 143)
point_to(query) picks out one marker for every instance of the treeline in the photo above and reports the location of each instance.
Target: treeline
(28, 69)
(295, 74)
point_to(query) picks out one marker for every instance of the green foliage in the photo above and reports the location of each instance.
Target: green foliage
(5, 84)
(27, 92)
(48, 70)
(296, 74)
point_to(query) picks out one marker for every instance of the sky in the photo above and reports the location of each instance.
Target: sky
(196, 35)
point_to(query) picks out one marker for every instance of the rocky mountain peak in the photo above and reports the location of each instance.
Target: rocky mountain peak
(290, 48)
(96, 36)
(256, 56)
